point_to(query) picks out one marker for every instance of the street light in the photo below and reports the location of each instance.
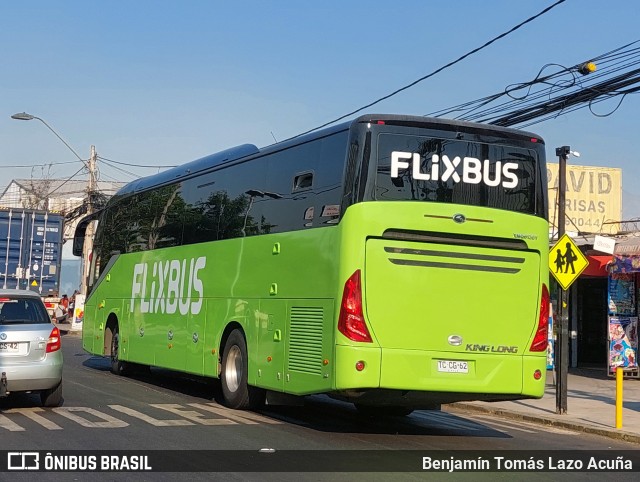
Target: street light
(26, 117)
(91, 188)
(90, 165)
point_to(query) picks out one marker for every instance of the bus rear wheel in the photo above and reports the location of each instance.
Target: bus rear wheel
(118, 366)
(236, 392)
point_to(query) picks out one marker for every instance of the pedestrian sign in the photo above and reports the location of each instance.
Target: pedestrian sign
(566, 261)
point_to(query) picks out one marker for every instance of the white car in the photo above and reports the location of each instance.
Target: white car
(30, 348)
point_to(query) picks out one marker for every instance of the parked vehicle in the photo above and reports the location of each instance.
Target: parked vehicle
(31, 252)
(51, 303)
(30, 354)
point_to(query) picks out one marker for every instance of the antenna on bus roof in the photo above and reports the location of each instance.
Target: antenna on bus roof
(274, 137)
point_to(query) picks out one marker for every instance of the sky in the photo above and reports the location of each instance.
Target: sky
(159, 83)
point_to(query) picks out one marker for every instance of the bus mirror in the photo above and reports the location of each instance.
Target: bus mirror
(81, 230)
(78, 244)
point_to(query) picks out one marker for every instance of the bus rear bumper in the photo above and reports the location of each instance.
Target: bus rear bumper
(481, 377)
(349, 358)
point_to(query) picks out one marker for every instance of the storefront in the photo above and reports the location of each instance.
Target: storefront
(623, 286)
(589, 314)
(604, 307)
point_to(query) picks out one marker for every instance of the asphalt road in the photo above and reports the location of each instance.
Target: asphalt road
(163, 410)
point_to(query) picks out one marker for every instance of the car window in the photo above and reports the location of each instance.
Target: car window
(22, 310)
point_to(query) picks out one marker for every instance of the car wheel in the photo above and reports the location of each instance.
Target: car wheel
(118, 366)
(52, 397)
(236, 392)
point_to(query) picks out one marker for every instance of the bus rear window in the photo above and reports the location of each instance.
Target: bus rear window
(416, 168)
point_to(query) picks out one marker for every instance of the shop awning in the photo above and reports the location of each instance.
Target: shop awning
(626, 256)
(624, 264)
(597, 265)
(629, 246)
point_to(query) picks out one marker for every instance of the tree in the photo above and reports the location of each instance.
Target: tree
(37, 190)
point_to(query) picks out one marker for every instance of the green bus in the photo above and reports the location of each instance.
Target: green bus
(396, 262)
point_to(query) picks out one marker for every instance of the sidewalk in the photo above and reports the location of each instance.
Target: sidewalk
(591, 406)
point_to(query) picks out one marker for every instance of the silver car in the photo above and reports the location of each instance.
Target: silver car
(30, 348)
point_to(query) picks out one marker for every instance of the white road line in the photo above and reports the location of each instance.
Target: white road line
(149, 419)
(191, 415)
(31, 413)
(245, 417)
(10, 425)
(107, 420)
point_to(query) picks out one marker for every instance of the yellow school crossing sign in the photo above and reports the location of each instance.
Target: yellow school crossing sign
(566, 261)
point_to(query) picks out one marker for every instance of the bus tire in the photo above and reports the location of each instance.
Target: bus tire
(236, 392)
(383, 411)
(118, 366)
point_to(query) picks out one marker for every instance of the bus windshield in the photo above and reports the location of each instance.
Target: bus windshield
(421, 168)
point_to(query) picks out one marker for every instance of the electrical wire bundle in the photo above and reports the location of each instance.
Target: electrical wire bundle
(563, 91)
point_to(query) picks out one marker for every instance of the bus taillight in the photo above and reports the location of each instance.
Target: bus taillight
(540, 340)
(351, 322)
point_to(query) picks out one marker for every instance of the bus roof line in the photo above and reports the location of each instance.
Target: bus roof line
(237, 153)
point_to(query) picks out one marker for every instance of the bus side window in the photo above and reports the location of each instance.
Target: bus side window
(302, 181)
(94, 269)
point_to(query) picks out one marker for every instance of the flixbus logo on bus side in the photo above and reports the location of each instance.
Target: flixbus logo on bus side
(492, 348)
(168, 286)
(474, 171)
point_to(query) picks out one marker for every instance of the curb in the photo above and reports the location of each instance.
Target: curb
(569, 425)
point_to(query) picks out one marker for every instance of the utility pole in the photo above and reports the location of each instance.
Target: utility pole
(562, 330)
(91, 187)
(88, 239)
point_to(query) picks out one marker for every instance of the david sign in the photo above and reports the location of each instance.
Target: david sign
(593, 197)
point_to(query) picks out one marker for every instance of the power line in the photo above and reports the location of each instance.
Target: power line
(111, 178)
(572, 101)
(450, 64)
(129, 173)
(558, 93)
(135, 165)
(17, 166)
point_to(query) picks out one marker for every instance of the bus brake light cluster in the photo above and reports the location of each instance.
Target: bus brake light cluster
(540, 340)
(351, 322)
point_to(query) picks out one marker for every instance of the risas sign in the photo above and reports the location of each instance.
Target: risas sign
(469, 170)
(168, 286)
(593, 196)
